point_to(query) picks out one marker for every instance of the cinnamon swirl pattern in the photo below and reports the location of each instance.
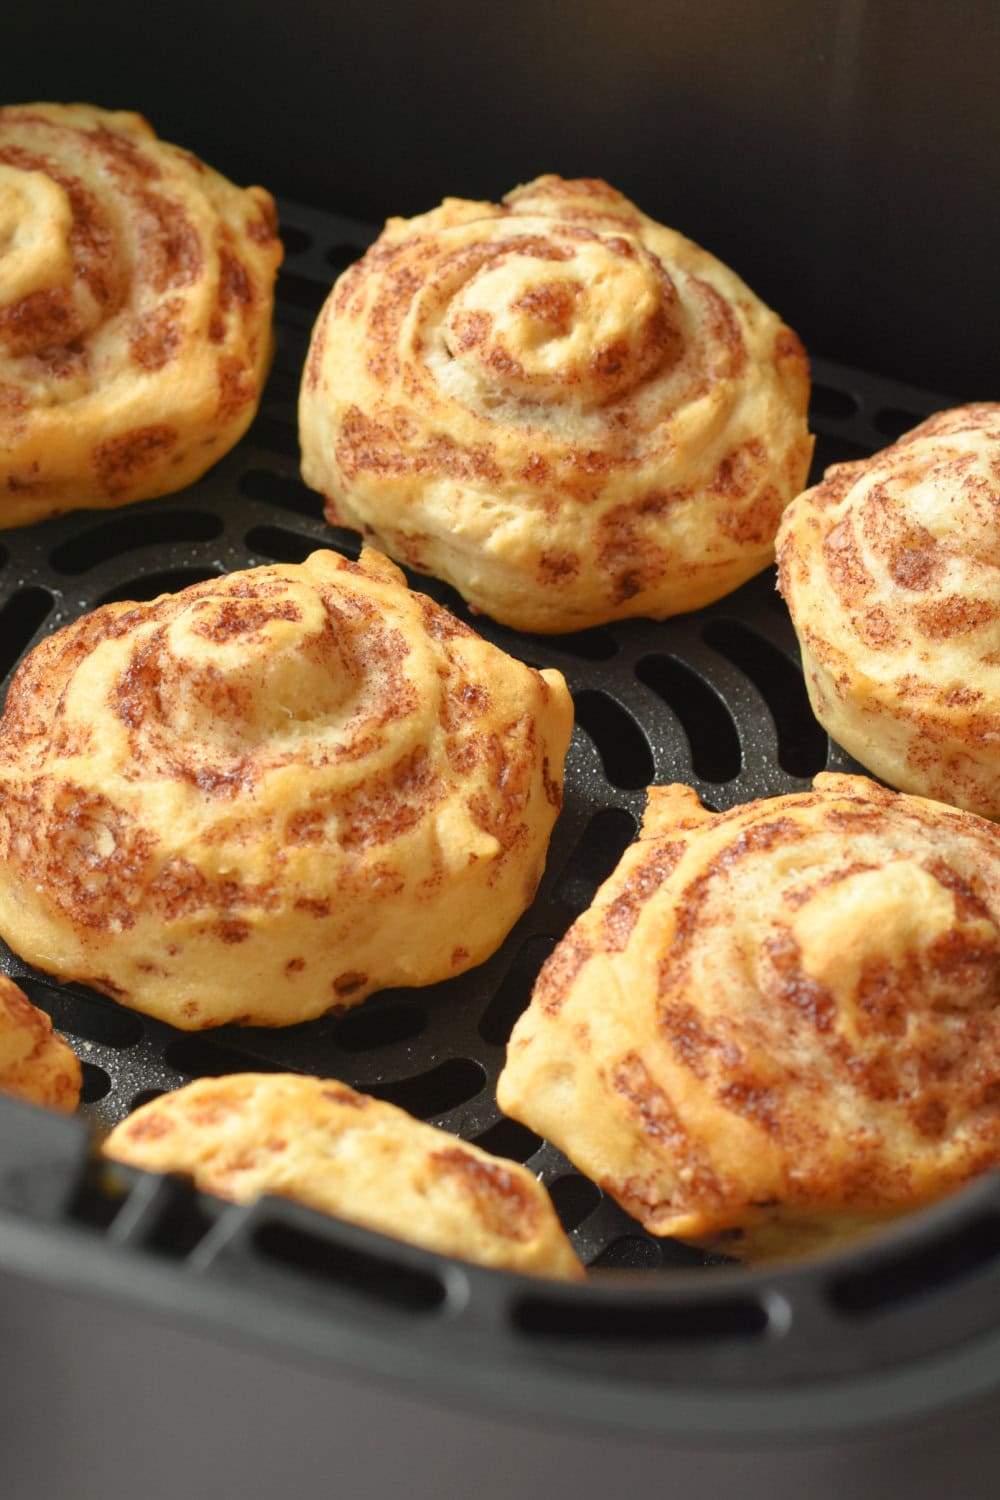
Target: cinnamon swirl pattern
(358, 1158)
(35, 1063)
(569, 412)
(776, 1025)
(266, 796)
(136, 296)
(891, 571)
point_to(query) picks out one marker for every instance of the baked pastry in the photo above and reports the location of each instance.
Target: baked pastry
(568, 411)
(358, 1158)
(777, 1025)
(136, 293)
(35, 1063)
(266, 796)
(891, 570)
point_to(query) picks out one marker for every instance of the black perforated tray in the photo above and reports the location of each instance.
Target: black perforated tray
(715, 699)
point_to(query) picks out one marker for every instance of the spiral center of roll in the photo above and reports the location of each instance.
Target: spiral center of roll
(585, 327)
(35, 220)
(247, 669)
(897, 932)
(43, 303)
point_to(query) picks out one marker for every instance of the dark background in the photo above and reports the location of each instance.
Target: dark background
(843, 157)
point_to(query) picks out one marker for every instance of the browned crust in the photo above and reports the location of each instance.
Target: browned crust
(790, 1013)
(345, 1153)
(613, 415)
(272, 793)
(889, 569)
(135, 321)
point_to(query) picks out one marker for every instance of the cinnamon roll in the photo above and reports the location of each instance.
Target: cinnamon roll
(891, 571)
(778, 1025)
(566, 410)
(270, 794)
(136, 293)
(35, 1063)
(317, 1141)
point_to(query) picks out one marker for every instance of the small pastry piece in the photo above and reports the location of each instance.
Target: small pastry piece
(891, 570)
(777, 1025)
(35, 1063)
(568, 411)
(270, 794)
(358, 1158)
(136, 294)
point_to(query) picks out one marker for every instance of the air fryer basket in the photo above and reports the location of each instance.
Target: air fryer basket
(662, 1337)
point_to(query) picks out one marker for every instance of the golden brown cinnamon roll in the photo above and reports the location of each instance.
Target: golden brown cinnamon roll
(270, 794)
(891, 570)
(136, 293)
(568, 411)
(776, 1025)
(358, 1158)
(35, 1063)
